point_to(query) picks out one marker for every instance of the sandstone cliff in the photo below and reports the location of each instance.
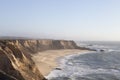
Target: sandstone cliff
(15, 64)
(15, 59)
(34, 46)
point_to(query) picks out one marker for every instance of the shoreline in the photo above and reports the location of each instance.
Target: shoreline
(46, 61)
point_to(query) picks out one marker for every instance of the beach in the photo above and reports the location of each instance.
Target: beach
(46, 61)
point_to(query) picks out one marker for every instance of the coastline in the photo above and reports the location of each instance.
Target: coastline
(46, 61)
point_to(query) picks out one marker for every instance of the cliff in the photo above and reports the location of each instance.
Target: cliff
(34, 46)
(41, 45)
(16, 64)
(15, 59)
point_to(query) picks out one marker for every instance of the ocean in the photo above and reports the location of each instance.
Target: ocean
(97, 65)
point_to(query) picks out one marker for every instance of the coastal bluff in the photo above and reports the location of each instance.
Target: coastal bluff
(15, 57)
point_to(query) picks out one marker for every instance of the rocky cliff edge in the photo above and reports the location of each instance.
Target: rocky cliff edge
(15, 59)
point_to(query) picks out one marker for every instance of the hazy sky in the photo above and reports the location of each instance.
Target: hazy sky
(61, 19)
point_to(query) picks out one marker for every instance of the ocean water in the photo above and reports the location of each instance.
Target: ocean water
(92, 65)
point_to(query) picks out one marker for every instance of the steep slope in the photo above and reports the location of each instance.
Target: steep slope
(15, 64)
(15, 59)
(34, 46)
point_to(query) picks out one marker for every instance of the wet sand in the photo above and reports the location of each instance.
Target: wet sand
(46, 61)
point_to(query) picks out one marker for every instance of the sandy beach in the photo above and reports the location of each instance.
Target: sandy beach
(46, 60)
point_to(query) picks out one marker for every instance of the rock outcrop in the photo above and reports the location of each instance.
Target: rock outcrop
(16, 64)
(15, 59)
(34, 46)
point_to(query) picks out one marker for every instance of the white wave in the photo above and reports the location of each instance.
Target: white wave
(70, 70)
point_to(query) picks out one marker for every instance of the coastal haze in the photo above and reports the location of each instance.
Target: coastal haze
(65, 19)
(59, 40)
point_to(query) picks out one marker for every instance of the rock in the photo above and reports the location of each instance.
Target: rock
(16, 64)
(102, 50)
(15, 57)
(4, 76)
(58, 68)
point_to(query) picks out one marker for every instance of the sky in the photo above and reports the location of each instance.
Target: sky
(94, 20)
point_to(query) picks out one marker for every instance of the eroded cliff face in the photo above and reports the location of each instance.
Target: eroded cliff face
(15, 64)
(41, 45)
(15, 59)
